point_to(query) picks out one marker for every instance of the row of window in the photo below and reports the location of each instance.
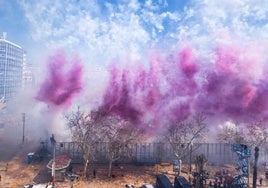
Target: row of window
(9, 47)
(9, 91)
(11, 60)
(11, 63)
(11, 54)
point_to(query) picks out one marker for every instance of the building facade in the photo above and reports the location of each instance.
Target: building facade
(12, 58)
(27, 76)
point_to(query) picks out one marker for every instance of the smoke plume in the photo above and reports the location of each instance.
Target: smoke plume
(178, 84)
(62, 82)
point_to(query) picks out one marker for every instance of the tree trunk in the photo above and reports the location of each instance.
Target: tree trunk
(85, 169)
(110, 167)
(86, 164)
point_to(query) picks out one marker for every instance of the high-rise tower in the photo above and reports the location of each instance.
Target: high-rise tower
(12, 57)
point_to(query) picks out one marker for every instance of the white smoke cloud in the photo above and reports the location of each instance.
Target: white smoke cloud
(104, 32)
(128, 27)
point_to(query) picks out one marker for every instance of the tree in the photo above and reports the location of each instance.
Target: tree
(200, 162)
(257, 134)
(231, 133)
(181, 135)
(252, 135)
(256, 137)
(119, 135)
(86, 130)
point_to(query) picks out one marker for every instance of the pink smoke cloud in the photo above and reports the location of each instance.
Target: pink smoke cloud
(174, 86)
(163, 91)
(62, 82)
(177, 85)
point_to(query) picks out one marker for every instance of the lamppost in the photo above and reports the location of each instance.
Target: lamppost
(190, 162)
(23, 127)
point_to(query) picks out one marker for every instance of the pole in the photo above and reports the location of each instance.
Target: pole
(190, 158)
(53, 167)
(190, 164)
(53, 171)
(23, 127)
(255, 167)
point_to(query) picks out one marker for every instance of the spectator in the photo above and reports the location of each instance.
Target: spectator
(260, 181)
(71, 169)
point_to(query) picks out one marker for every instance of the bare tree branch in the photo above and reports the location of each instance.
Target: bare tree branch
(181, 135)
(86, 130)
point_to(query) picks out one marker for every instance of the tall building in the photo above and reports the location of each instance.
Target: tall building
(27, 76)
(12, 57)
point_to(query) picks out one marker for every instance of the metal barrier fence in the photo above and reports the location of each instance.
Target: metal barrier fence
(216, 153)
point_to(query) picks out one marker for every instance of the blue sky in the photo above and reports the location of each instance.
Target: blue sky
(13, 21)
(102, 30)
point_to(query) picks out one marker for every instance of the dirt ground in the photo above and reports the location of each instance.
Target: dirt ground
(16, 172)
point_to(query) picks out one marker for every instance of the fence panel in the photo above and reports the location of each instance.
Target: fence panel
(216, 153)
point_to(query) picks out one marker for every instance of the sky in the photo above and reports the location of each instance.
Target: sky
(171, 58)
(90, 26)
(112, 28)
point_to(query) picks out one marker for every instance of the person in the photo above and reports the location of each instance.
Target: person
(71, 169)
(260, 181)
(210, 184)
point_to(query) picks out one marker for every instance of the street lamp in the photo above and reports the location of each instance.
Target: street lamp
(191, 148)
(23, 127)
(190, 162)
